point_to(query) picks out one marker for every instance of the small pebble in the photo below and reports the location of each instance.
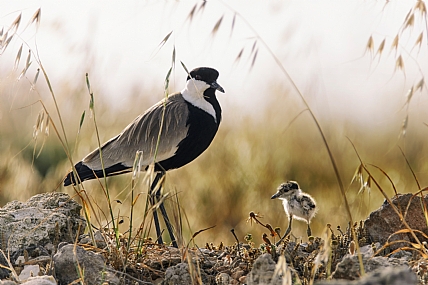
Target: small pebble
(29, 271)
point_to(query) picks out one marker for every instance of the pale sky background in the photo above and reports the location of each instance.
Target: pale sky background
(320, 43)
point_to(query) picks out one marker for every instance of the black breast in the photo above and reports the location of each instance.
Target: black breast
(202, 129)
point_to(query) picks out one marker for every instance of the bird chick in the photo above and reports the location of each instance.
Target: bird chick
(297, 204)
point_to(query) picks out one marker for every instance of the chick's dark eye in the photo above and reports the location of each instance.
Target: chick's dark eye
(197, 77)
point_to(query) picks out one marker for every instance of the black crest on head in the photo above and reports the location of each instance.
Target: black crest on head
(206, 74)
(288, 186)
(293, 185)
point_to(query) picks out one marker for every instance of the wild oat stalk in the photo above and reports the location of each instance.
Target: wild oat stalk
(106, 190)
(136, 170)
(166, 95)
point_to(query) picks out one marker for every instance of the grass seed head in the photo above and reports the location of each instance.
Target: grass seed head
(217, 26)
(420, 5)
(380, 48)
(419, 40)
(409, 95)
(18, 58)
(370, 45)
(36, 18)
(399, 63)
(410, 21)
(394, 44)
(15, 24)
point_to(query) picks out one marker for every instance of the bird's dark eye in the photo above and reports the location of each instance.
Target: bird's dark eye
(197, 77)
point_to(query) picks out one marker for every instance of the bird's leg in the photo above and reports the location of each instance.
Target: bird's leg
(153, 203)
(159, 175)
(286, 232)
(309, 231)
(289, 226)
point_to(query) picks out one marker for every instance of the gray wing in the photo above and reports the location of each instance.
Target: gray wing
(142, 135)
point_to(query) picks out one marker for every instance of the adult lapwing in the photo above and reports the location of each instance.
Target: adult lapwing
(297, 205)
(170, 134)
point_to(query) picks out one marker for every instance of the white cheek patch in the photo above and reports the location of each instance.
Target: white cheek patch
(194, 94)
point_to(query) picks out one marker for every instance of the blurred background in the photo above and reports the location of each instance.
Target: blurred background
(360, 65)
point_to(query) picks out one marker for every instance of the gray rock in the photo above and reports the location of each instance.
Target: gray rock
(223, 279)
(29, 271)
(93, 266)
(99, 239)
(262, 272)
(384, 276)
(384, 221)
(349, 267)
(7, 282)
(40, 220)
(180, 275)
(40, 280)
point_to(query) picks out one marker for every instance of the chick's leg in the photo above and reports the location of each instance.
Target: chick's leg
(309, 231)
(287, 231)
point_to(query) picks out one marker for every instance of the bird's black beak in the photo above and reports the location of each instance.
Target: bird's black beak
(275, 196)
(217, 86)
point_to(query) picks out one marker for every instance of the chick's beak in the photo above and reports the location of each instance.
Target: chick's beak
(217, 86)
(275, 195)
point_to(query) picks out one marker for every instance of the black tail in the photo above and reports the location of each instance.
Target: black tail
(85, 173)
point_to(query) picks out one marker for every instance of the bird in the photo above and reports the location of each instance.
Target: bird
(297, 205)
(169, 135)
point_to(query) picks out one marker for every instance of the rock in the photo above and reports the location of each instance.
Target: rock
(29, 271)
(7, 282)
(262, 272)
(20, 260)
(40, 220)
(93, 266)
(383, 276)
(50, 248)
(223, 279)
(180, 275)
(99, 239)
(40, 280)
(349, 267)
(384, 221)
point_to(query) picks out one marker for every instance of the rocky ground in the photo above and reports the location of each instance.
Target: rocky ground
(39, 246)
